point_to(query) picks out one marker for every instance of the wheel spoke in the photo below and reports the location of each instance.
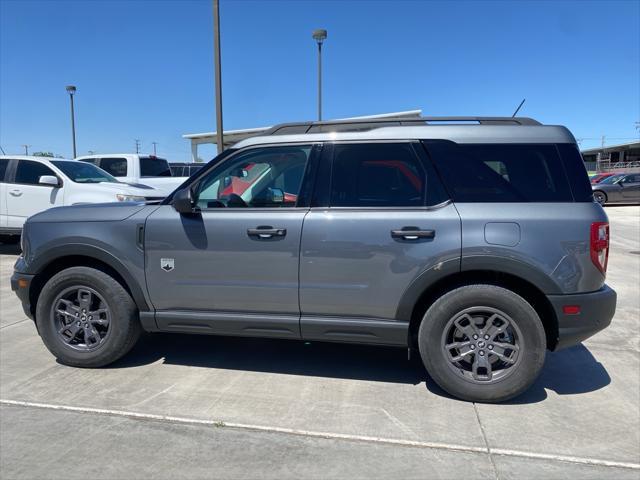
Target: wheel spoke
(469, 329)
(85, 298)
(492, 329)
(481, 362)
(72, 329)
(500, 351)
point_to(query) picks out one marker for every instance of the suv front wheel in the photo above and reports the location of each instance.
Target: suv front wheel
(482, 343)
(86, 318)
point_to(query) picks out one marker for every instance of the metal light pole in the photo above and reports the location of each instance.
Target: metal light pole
(72, 90)
(154, 148)
(218, 72)
(319, 36)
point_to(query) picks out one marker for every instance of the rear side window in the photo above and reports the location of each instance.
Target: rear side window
(4, 163)
(115, 166)
(379, 175)
(154, 167)
(29, 173)
(576, 172)
(501, 172)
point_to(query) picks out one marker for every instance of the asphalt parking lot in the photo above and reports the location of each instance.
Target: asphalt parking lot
(199, 407)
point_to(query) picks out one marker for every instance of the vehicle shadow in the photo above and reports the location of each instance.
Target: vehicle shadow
(569, 372)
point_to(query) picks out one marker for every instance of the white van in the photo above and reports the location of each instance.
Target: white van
(29, 185)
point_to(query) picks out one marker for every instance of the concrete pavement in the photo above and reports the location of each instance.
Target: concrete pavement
(380, 414)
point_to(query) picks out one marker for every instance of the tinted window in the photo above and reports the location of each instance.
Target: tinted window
(262, 177)
(115, 166)
(576, 172)
(632, 179)
(29, 172)
(89, 160)
(154, 167)
(4, 163)
(377, 175)
(501, 172)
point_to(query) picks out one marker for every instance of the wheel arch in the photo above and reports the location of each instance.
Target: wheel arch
(84, 256)
(527, 290)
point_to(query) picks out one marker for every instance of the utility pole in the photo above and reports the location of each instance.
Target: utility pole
(154, 148)
(602, 138)
(218, 73)
(137, 145)
(26, 149)
(319, 36)
(71, 90)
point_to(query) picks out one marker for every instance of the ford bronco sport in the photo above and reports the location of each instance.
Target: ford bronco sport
(477, 244)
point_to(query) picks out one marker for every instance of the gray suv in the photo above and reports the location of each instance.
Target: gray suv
(477, 245)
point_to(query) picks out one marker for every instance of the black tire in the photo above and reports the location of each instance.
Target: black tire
(438, 360)
(600, 197)
(123, 328)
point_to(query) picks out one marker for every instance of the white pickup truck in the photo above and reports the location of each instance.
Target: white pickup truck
(137, 170)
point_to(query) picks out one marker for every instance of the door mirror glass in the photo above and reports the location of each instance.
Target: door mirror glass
(49, 180)
(183, 201)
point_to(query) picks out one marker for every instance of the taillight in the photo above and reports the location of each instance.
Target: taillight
(599, 245)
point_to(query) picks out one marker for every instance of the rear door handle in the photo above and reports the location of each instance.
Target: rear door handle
(15, 192)
(412, 233)
(266, 232)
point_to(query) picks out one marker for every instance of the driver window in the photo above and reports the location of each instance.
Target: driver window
(268, 177)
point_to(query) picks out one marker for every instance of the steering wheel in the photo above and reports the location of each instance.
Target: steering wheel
(236, 201)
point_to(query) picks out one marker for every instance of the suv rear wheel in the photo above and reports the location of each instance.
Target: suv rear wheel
(482, 343)
(86, 318)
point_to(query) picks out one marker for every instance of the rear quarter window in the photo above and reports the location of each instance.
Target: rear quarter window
(4, 164)
(502, 172)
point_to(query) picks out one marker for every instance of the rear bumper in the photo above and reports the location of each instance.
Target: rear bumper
(21, 284)
(596, 311)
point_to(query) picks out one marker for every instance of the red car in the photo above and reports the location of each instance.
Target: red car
(598, 177)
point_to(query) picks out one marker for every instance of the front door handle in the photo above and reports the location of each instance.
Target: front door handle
(15, 192)
(412, 233)
(266, 232)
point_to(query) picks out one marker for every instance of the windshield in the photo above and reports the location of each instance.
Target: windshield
(81, 172)
(154, 167)
(611, 179)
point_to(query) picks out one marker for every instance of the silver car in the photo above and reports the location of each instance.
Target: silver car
(622, 188)
(478, 247)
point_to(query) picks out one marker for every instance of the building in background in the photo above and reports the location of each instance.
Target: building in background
(234, 136)
(613, 157)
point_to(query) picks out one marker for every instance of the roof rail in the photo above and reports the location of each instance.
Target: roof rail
(371, 123)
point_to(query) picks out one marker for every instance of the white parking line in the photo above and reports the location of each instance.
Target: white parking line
(327, 435)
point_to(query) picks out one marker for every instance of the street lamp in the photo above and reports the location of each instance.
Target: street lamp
(71, 89)
(319, 36)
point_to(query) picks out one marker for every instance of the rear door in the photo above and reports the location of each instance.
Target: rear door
(380, 219)
(232, 266)
(26, 196)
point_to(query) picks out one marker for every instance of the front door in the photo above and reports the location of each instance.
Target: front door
(26, 196)
(631, 187)
(231, 267)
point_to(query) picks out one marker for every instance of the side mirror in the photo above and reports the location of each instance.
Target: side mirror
(50, 181)
(183, 201)
(277, 195)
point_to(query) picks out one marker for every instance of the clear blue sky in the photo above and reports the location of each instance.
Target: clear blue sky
(144, 69)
